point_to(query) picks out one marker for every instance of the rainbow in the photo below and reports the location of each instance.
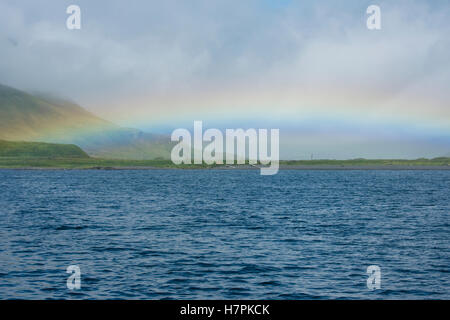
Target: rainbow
(286, 107)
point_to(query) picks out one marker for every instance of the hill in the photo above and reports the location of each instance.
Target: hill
(27, 117)
(40, 150)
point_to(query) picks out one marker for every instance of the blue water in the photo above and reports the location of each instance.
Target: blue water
(182, 234)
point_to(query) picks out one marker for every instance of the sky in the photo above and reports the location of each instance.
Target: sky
(334, 88)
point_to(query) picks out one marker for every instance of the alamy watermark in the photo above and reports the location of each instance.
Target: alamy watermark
(236, 149)
(374, 20)
(74, 280)
(73, 22)
(374, 277)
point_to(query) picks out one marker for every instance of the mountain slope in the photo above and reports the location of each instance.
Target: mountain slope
(27, 117)
(40, 149)
(23, 116)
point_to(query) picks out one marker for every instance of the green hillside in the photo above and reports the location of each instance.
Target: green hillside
(40, 150)
(26, 117)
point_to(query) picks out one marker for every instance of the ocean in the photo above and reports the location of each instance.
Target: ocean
(224, 234)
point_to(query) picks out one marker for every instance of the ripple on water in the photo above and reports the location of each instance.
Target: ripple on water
(216, 234)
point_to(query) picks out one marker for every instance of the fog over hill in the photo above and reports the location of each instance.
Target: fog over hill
(38, 117)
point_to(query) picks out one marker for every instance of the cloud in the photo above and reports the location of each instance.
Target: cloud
(208, 55)
(166, 44)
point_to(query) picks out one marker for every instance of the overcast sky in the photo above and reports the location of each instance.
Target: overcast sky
(304, 61)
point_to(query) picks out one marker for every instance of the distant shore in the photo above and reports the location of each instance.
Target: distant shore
(89, 163)
(246, 167)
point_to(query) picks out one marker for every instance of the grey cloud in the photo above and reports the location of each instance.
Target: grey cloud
(126, 47)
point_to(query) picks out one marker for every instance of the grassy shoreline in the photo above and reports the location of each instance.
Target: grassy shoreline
(98, 163)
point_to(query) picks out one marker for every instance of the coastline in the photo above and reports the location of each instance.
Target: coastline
(247, 167)
(49, 163)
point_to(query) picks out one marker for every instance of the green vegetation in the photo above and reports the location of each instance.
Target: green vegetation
(98, 163)
(441, 161)
(19, 154)
(19, 149)
(85, 163)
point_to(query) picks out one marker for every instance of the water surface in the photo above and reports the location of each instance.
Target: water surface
(213, 234)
